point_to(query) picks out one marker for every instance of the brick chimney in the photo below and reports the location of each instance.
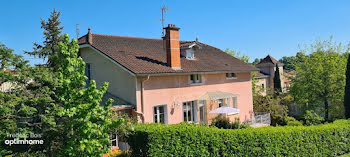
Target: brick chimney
(89, 36)
(172, 46)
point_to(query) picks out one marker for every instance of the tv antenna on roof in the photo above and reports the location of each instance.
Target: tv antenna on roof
(164, 9)
(77, 30)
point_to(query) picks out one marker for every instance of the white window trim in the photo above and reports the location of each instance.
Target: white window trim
(202, 104)
(194, 118)
(190, 54)
(158, 115)
(114, 139)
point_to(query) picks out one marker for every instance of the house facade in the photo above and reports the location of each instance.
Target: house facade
(267, 67)
(168, 80)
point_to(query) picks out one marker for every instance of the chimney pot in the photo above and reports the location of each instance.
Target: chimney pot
(89, 36)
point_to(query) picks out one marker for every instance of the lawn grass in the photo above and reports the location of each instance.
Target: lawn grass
(345, 155)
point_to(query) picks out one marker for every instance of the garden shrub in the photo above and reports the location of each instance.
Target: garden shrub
(291, 121)
(224, 123)
(191, 140)
(312, 118)
(294, 123)
(221, 122)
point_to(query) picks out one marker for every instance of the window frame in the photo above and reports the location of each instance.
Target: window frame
(201, 106)
(158, 114)
(114, 139)
(88, 70)
(190, 54)
(192, 109)
(231, 76)
(196, 79)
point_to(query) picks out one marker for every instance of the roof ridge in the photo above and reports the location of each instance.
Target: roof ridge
(107, 35)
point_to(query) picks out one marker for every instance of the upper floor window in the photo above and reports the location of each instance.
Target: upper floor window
(189, 54)
(231, 75)
(88, 73)
(195, 78)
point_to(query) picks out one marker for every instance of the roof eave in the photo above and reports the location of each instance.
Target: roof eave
(198, 72)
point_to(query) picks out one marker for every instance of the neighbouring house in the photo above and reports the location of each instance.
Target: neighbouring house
(6, 86)
(266, 74)
(168, 80)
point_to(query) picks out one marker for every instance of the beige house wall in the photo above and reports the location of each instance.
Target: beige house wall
(270, 70)
(6, 86)
(121, 82)
(260, 82)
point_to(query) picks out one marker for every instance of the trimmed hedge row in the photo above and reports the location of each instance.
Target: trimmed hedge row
(191, 140)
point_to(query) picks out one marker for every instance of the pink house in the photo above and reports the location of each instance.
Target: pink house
(167, 80)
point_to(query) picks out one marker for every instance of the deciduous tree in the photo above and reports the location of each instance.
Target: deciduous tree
(238, 55)
(320, 77)
(86, 122)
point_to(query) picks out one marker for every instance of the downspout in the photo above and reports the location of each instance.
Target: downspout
(142, 99)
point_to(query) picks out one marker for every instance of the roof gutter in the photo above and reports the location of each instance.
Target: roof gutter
(186, 73)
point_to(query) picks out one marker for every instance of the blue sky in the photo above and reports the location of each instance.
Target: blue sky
(256, 28)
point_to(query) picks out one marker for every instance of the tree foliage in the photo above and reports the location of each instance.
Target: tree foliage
(87, 123)
(277, 80)
(55, 103)
(290, 61)
(238, 55)
(27, 107)
(52, 36)
(347, 90)
(277, 106)
(320, 76)
(255, 62)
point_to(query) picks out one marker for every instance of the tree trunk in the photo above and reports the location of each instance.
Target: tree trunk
(326, 110)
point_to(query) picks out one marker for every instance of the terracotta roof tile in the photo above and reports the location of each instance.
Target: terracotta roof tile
(268, 59)
(147, 56)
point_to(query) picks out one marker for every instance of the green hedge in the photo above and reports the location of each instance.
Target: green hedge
(191, 140)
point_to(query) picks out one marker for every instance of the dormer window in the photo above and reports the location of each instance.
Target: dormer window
(231, 75)
(190, 50)
(189, 54)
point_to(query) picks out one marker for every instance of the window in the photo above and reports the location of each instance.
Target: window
(189, 110)
(234, 102)
(87, 73)
(202, 112)
(189, 54)
(263, 86)
(231, 75)
(114, 139)
(221, 102)
(195, 78)
(160, 114)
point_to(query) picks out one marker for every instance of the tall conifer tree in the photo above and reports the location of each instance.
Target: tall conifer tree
(347, 90)
(52, 36)
(277, 80)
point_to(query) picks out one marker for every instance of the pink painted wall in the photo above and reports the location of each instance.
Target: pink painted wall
(160, 90)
